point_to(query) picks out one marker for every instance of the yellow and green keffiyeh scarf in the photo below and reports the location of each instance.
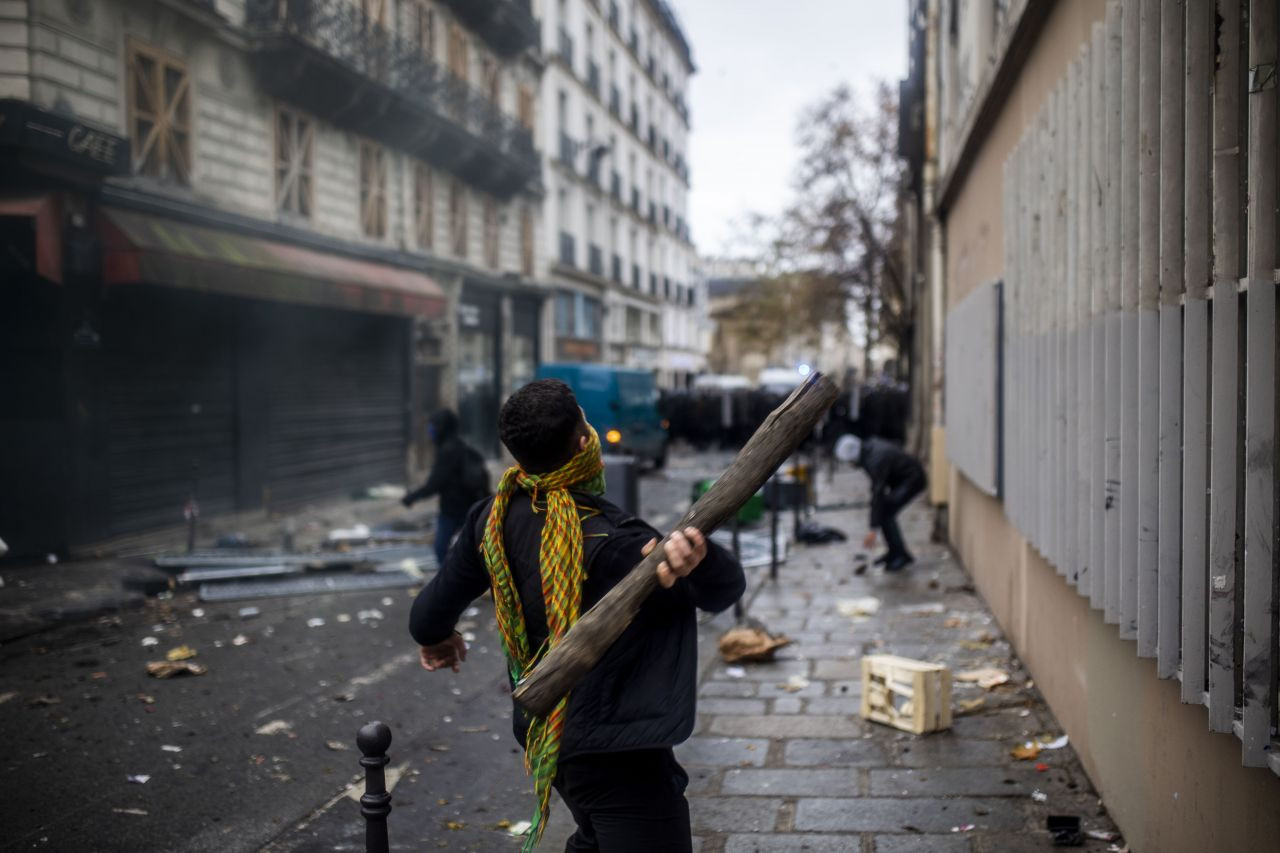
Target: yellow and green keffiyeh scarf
(560, 563)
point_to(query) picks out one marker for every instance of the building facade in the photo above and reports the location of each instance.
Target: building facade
(250, 245)
(1098, 239)
(615, 143)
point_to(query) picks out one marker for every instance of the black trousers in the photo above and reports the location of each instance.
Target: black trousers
(626, 802)
(890, 504)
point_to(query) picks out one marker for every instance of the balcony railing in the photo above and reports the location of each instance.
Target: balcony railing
(325, 57)
(566, 47)
(595, 260)
(507, 25)
(568, 251)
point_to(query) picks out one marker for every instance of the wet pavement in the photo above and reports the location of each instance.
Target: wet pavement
(257, 753)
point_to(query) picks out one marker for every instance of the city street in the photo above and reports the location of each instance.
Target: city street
(84, 717)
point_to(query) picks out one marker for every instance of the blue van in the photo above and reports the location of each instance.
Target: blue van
(621, 403)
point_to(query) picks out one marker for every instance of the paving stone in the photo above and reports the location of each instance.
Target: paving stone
(1004, 725)
(775, 690)
(838, 669)
(778, 670)
(722, 752)
(718, 705)
(806, 782)
(1030, 841)
(946, 750)
(793, 844)
(829, 651)
(952, 781)
(734, 814)
(845, 688)
(861, 752)
(924, 814)
(787, 727)
(956, 843)
(735, 688)
(788, 705)
(701, 779)
(848, 704)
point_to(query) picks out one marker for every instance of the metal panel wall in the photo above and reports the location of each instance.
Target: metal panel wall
(973, 413)
(1140, 401)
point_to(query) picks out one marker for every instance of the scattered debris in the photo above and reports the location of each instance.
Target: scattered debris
(249, 612)
(988, 677)
(1026, 751)
(387, 601)
(964, 827)
(735, 672)
(139, 778)
(43, 701)
(1065, 830)
(343, 697)
(168, 669)
(819, 534)
(274, 727)
(968, 706)
(471, 730)
(852, 607)
(386, 491)
(911, 695)
(181, 653)
(170, 748)
(750, 644)
(147, 642)
(520, 827)
(198, 612)
(336, 745)
(455, 824)
(6, 696)
(1103, 835)
(1039, 796)
(240, 640)
(138, 812)
(1041, 767)
(371, 615)
(795, 684)
(146, 699)
(315, 622)
(343, 617)
(1056, 743)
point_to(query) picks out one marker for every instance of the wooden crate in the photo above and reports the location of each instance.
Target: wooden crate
(907, 694)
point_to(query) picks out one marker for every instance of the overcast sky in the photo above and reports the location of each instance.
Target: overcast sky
(760, 62)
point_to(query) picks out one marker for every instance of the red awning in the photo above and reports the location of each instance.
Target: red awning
(44, 210)
(142, 249)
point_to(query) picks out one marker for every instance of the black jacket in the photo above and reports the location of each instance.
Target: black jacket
(896, 477)
(641, 694)
(445, 479)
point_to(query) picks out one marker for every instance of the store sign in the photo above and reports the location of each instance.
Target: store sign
(577, 349)
(43, 133)
(468, 316)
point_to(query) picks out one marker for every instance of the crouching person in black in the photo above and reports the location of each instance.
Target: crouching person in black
(549, 547)
(896, 479)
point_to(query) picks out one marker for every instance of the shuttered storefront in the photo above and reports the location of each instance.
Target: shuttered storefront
(338, 403)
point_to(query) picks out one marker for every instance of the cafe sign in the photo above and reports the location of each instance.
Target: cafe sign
(42, 134)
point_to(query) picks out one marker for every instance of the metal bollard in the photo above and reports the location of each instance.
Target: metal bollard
(375, 804)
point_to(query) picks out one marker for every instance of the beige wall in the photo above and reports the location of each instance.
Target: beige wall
(1170, 784)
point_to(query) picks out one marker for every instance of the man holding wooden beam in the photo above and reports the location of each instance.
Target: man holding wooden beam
(549, 546)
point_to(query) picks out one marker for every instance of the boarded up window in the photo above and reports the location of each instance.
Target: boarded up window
(458, 218)
(373, 190)
(159, 114)
(424, 29)
(424, 218)
(295, 145)
(458, 55)
(491, 77)
(491, 233)
(526, 240)
(525, 107)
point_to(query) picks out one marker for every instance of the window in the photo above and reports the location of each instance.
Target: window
(424, 206)
(458, 52)
(526, 240)
(159, 114)
(373, 190)
(490, 75)
(295, 144)
(424, 29)
(491, 233)
(458, 218)
(525, 109)
(577, 316)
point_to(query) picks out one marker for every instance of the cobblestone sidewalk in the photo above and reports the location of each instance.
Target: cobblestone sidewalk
(781, 760)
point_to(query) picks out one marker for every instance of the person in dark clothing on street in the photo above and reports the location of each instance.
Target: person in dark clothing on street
(549, 547)
(458, 476)
(896, 478)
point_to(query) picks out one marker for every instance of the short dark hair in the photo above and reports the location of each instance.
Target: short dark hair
(540, 425)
